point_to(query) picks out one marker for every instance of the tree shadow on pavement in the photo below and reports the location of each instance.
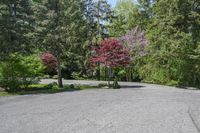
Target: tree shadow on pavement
(131, 86)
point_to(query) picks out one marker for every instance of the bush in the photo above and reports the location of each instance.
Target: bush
(53, 85)
(121, 73)
(20, 71)
(36, 87)
(115, 84)
(69, 87)
(101, 85)
(72, 86)
(78, 76)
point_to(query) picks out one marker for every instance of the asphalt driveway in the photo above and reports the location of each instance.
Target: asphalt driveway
(136, 108)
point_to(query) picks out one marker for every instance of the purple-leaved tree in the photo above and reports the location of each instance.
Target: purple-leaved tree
(135, 41)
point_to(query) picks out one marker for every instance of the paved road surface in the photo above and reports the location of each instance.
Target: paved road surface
(136, 108)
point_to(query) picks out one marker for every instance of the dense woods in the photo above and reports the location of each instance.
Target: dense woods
(161, 38)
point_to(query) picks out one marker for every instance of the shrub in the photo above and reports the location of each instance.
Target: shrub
(78, 76)
(101, 85)
(70, 87)
(115, 84)
(36, 87)
(20, 71)
(53, 85)
(121, 73)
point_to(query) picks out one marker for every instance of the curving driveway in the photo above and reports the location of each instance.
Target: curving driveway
(136, 108)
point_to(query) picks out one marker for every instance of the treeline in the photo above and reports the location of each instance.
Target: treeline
(172, 29)
(163, 36)
(65, 28)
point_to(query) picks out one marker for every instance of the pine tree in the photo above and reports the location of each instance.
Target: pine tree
(102, 16)
(61, 29)
(89, 17)
(127, 16)
(16, 27)
(171, 37)
(130, 14)
(146, 12)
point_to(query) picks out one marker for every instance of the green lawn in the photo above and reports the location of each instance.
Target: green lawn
(5, 94)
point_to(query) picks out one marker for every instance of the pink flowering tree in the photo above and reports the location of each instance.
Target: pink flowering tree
(112, 54)
(135, 41)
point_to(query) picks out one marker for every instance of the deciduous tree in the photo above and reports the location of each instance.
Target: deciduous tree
(49, 61)
(111, 54)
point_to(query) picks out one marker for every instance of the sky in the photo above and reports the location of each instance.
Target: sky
(112, 2)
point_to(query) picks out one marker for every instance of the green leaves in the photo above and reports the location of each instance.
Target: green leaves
(172, 40)
(16, 24)
(20, 71)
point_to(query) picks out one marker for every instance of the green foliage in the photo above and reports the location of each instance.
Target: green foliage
(70, 87)
(17, 27)
(127, 17)
(74, 87)
(20, 71)
(122, 73)
(3, 94)
(61, 30)
(172, 40)
(70, 28)
(53, 85)
(101, 85)
(102, 15)
(195, 57)
(35, 87)
(47, 89)
(78, 76)
(115, 84)
(129, 14)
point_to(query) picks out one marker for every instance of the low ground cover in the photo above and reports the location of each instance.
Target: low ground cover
(47, 89)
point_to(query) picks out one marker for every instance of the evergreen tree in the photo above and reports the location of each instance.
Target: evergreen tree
(130, 14)
(146, 12)
(127, 17)
(61, 29)
(16, 27)
(171, 43)
(102, 15)
(89, 17)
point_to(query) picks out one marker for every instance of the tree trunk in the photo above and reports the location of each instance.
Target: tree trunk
(105, 73)
(60, 83)
(131, 75)
(109, 77)
(98, 72)
(99, 33)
